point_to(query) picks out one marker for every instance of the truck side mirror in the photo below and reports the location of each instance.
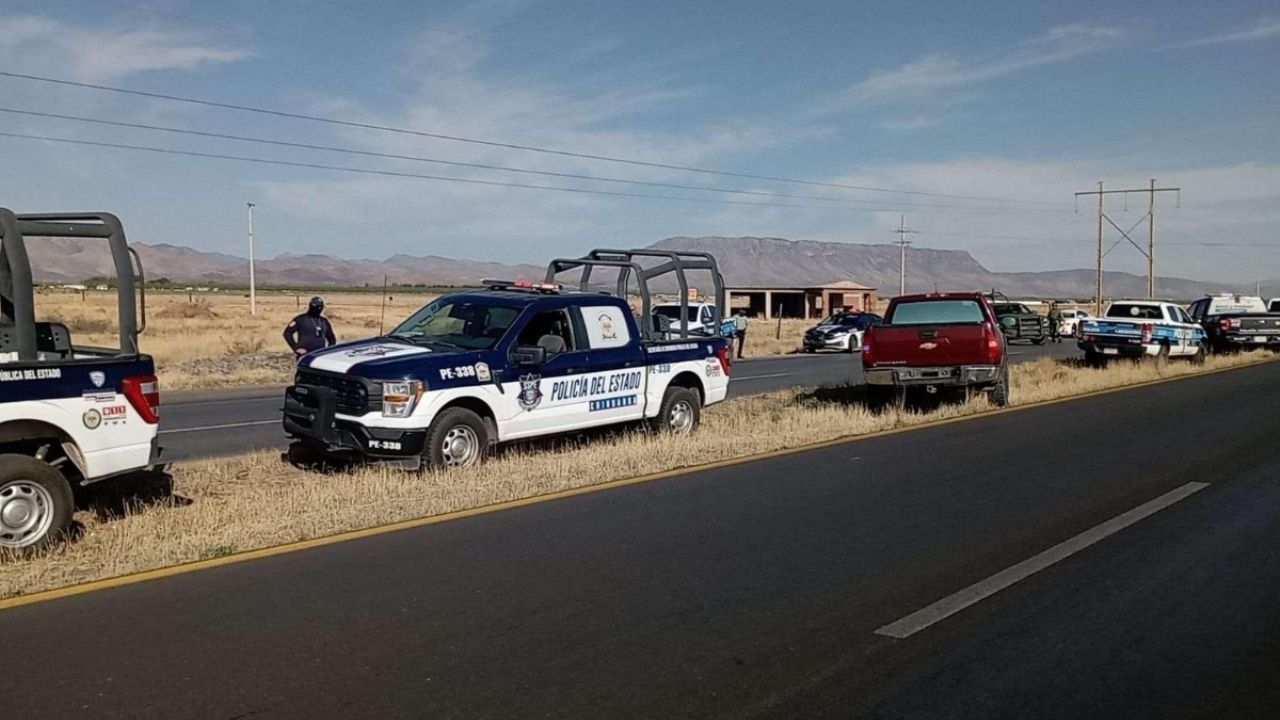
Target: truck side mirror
(529, 355)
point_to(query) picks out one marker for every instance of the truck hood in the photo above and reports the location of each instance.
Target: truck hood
(381, 358)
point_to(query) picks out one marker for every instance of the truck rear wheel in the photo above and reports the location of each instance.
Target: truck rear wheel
(456, 438)
(1000, 393)
(681, 411)
(1039, 341)
(36, 503)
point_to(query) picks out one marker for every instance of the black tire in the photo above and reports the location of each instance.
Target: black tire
(1201, 353)
(1095, 359)
(881, 397)
(36, 504)
(1000, 392)
(1162, 356)
(849, 348)
(1039, 341)
(457, 438)
(680, 413)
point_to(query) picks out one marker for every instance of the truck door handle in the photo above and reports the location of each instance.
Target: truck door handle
(928, 334)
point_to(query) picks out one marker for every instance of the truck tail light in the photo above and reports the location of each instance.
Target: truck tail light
(1148, 330)
(1227, 324)
(726, 360)
(992, 341)
(143, 393)
(868, 347)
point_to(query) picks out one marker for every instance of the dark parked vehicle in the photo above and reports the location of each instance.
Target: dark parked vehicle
(1019, 322)
(842, 331)
(936, 341)
(1235, 322)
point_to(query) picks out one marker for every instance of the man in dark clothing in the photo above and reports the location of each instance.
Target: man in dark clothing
(1055, 323)
(310, 331)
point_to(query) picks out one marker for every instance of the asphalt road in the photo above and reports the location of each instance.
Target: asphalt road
(760, 590)
(214, 423)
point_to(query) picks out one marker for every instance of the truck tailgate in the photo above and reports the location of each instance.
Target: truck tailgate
(1118, 328)
(1259, 324)
(928, 345)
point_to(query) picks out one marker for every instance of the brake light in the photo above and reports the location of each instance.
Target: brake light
(1228, 324)
(143, 393)
(1147, 330)
(726, 360)
(868, 347)
(992, 339)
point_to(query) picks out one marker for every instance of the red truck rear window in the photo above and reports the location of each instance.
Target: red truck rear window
(936, 312)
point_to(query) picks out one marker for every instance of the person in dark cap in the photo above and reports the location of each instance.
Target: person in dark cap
(311, 330)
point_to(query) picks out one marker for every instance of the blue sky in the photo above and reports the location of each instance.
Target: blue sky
(1014, 101)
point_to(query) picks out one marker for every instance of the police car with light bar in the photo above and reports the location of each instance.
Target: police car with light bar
(511, 361)
(70, 415)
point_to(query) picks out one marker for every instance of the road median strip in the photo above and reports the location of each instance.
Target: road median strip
(238, 509)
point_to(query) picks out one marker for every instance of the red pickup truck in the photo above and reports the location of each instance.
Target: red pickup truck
(936, 341)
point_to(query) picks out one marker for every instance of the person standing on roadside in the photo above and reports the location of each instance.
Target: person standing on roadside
(740, 329)
(311, 330)
(1055, 323)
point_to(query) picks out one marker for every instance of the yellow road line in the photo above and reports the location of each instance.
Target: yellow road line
(196, 565)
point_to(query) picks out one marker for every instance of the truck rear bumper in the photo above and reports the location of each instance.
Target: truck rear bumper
(310, 417)
(1119, 348)
(945, 376)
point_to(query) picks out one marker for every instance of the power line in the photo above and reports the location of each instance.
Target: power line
(505, 145)
(392, 173)
(456, 163)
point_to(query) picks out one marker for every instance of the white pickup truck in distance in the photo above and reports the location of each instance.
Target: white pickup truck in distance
(701, 318)
(1138, 328)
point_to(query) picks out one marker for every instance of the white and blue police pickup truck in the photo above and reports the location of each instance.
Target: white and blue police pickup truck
(1140, 328)
(69, 415)
(509, 362)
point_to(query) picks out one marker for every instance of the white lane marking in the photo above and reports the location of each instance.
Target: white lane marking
(954, 603)
(761, 377)
(225, 426)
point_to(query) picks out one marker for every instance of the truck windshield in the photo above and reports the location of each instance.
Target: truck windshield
(844, 319)
(465, 325)
(673, 312)
(1135, 312)
(936, 312)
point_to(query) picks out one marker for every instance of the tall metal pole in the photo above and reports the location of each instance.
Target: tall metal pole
(903, 242)
(253, 287)
(1151, 241)
(1097, 294)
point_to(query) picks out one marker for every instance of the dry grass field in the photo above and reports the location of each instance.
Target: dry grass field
(209, 340)
(220, 507)
(203, 340)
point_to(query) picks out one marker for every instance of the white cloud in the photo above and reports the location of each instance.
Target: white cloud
(1264, 29)
(936, 72)
(101, 55)
(1224, 229)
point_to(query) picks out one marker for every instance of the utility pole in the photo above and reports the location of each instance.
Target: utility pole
(1151, 239)
(253, 287)
(1097, 292)
(1149, 218)
(902, 233)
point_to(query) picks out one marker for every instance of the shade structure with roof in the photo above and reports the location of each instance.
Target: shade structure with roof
(800, 302)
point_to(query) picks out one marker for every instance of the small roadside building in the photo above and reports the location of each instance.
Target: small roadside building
(800, 302)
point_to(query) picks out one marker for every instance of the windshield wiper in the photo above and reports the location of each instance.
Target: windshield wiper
(445, 343)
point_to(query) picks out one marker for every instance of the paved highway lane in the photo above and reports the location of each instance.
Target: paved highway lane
(212, 423)
(753, 591)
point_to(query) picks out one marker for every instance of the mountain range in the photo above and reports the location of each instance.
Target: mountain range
(745, 262)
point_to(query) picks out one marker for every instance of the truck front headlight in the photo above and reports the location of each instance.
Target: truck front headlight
(401, 397)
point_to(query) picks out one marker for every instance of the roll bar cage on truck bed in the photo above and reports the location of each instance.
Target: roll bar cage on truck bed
(68, 414)
(19, 333)
(627, 262)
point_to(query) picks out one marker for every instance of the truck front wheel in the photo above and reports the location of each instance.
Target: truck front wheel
(36, 503)
(456, 438)
(681, 411)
